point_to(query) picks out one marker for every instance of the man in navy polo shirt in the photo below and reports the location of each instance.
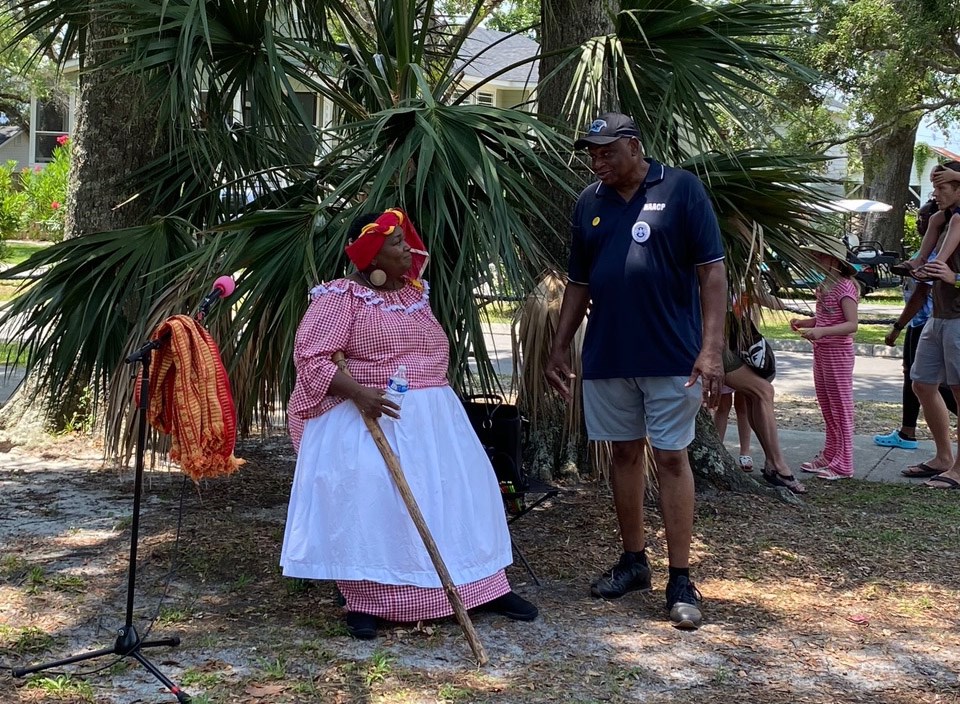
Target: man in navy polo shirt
(646, 257)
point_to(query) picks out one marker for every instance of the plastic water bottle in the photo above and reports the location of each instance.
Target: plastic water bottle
(397, 388)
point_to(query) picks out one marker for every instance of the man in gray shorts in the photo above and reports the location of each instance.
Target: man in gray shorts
(646, 255)
(937, 358)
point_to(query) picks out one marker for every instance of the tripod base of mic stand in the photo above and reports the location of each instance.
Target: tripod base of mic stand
(128, 645)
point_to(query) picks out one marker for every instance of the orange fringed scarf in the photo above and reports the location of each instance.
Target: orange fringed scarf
(190, 400)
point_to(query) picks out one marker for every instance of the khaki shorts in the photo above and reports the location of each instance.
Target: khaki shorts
(660, 407)
(937, 358)
(731, 361)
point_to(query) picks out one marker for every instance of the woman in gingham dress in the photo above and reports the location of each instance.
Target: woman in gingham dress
(831, 333)
(346, 521)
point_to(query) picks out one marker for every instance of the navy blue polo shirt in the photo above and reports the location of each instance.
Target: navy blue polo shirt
(639, 260)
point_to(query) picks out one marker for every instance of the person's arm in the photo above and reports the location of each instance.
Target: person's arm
(713, 306)
(941, 270)
(949, 242)
(559, 374)
(796, 324)
(946, 176)
(706, 247)
(324, 331)
(371, 401)
(914, 304)
(929, 241)
(848, 304)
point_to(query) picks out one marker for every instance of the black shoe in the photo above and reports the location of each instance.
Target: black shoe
(683, 601)
(628, 575)
(361, 626)
(512, 605)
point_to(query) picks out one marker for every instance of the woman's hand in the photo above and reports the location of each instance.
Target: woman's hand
(373, 403)
(797, 323)
(812, 334)
(939, 270)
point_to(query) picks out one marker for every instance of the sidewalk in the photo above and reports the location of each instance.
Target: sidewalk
(871, 462)
(876, 378)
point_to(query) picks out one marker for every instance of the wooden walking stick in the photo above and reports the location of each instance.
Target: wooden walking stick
(393, 465)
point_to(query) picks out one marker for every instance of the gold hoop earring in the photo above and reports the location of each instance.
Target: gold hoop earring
(378, 277)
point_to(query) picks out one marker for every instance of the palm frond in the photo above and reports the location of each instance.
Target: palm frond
(765, 203)
(94, 302)
(678, 66)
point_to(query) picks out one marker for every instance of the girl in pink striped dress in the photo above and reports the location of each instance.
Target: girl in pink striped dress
(831, 333)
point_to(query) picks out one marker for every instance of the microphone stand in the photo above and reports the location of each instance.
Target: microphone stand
(128, 643)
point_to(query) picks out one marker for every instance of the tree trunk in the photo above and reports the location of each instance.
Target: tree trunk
(558, 32)
(887, 165)
(116, 134)
(714, 468)
(566, 24)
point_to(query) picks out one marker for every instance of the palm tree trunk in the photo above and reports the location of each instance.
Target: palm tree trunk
(887, 165)
(116, 135)
(558, 31)
(564, 24)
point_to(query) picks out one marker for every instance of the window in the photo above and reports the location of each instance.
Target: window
(484, 98)
(51, 124)
(306, 144)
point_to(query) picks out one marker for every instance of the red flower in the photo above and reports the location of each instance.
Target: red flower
(63, 139)
(55, 205)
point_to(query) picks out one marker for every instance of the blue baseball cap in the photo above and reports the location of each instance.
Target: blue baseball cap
(608, 128)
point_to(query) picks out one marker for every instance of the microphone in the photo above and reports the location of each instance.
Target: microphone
(223, 287)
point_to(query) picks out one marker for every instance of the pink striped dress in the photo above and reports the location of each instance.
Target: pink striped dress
(833, 360)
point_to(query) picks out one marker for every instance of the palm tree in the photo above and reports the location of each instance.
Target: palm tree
(240, 187)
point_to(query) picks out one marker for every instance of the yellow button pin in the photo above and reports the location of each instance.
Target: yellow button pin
(596, 221)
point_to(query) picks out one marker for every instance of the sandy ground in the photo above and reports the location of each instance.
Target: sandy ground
(851, 598)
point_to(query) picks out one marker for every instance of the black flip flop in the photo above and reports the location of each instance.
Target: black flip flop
(948, 483)
(925, 471)
(788, 482)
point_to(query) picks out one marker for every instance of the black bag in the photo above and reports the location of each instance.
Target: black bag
(499, 427)
(752, 347)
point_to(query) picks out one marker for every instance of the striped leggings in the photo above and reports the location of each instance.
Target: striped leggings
(833, 381)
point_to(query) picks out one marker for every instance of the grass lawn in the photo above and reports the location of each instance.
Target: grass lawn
(883, 297)
(17, 252)
(777, 327)
(8, 354)
(499, 312)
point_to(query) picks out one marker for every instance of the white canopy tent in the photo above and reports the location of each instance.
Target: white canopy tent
(853, 205)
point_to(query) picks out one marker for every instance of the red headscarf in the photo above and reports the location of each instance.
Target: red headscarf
(363, 249)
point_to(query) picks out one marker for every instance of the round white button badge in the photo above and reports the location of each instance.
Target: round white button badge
(640, 232)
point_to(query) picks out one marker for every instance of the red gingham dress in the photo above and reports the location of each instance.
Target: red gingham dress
(346, 520)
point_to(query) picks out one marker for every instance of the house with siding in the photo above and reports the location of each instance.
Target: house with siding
(486, 53)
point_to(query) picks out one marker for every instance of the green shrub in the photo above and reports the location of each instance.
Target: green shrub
(911, 240)
(44, 190)
(12, 203)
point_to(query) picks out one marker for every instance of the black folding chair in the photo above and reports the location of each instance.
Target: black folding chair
(500, 427)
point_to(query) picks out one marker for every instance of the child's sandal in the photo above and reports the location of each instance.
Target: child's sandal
(746, 463)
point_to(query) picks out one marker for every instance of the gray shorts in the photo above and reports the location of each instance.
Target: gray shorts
(937, 358)
(630, 409)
